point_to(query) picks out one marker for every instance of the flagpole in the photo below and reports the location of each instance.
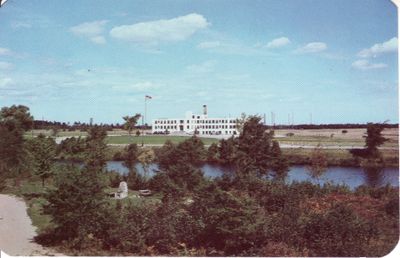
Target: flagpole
(145, 110)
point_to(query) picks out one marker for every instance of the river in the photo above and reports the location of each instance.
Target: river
(350, 176)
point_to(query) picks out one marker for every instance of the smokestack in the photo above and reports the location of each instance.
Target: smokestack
(204, 109)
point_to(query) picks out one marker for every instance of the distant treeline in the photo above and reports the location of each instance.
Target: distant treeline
(47, 125)
(326, 126)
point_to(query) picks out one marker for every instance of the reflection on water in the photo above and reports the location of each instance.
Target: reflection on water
(351, 176)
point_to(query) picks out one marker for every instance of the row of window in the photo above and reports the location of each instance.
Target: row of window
(195, 121)
(198, 127)
(217, 132)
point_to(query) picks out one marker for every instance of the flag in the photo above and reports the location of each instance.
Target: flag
(148, 97)
(2, 2)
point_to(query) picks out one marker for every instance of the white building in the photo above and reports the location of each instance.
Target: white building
(199, 124)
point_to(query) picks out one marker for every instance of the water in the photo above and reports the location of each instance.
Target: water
(350, 176)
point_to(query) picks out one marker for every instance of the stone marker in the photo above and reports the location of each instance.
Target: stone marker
(122, 190)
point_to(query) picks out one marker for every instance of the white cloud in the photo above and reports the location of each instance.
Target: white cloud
(379, 48)
(138, 86)
(313, 47)
(20, 24)
(5, 82)
(153, 32)
(205, 67)
(5, 65)
(4, 51)
(208, 44)
(91, 30)
(364, 64)
(98, 40)
(278, 42)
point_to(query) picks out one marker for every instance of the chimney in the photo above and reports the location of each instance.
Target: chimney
(204, 109)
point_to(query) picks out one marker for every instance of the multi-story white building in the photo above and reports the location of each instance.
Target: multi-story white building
(196, 124)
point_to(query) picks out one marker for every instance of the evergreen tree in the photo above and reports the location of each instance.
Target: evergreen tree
(42, 150)
(14, 121)
(130, 156)
(77, 203)
(212, 153)
(254, 148)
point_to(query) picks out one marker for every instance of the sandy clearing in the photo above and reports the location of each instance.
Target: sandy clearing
(16, 229)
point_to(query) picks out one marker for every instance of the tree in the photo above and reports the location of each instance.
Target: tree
(137, 133)
(254, 148)
(14, 121)
(130, 156)
(77, 203)
(230, 222)
(190, 151)
(338, 232)
(42, 150)
(240, 122)
(16, 118)
(319, 163)
(212, 153)
(374, 139)
(95, 150)
(227, 151)
(279, 164)
(146, 157)
(130, 122)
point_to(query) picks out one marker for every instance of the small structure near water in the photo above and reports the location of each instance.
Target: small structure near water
(145, 192)
(122, 191)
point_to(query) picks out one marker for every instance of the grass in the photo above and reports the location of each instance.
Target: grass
(153, 139)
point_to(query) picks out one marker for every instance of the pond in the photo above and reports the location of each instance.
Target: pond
(351, 176)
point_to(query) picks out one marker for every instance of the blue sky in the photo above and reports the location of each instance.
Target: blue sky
(72, 60)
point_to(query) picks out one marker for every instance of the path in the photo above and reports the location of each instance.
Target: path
(16, 230)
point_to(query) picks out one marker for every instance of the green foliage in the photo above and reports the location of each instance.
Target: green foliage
(319, 163)
(14, 121)
(130, 122)
(256, 152)
(95, 149)
(230, 222)
(42, 150)
(212, 153)
(278, 163)
(16, 118)
(71, 148)
(135, 181)
(374, 138)
(76, 203)
(190, 151)
(227, 151)
(130, 156)
(339, 232)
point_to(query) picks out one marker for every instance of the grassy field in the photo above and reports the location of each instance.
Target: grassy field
(333, 137)
(153, 139)
(295, 137)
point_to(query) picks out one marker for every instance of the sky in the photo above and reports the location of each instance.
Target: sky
(306, 61)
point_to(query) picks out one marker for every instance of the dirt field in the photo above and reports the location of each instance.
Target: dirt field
(334, 137)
